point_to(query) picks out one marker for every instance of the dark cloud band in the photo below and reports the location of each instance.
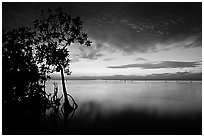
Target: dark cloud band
(163, 64)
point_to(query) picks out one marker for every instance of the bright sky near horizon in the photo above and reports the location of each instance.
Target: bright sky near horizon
(98, 66)
(128, 38)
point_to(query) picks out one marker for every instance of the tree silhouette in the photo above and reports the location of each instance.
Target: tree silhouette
(22, 94)
(28, 57)
(54, 32)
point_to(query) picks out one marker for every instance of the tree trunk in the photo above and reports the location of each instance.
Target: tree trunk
(44, 85)
(67, 107)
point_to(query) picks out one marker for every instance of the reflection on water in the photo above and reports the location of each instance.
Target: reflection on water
(116, 105)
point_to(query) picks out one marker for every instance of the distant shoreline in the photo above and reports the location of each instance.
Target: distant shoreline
(185, 76)
(135, 79)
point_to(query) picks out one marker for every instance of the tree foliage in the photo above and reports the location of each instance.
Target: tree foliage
(54, 32)
(22, 94)
(19, 68)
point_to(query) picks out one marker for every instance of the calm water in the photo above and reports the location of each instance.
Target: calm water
(107, 102)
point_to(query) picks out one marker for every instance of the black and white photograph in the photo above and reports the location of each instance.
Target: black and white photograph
(101, 68)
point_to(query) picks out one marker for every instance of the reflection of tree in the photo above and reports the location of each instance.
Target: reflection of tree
(28, 57)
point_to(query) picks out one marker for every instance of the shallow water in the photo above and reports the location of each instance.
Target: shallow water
(107, 102)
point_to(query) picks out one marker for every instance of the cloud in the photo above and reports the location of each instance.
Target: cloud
(74, 60)
(185, 41)
(129, 40)
(91, 56)
(132, 31)
(141, 59)
(85, 55)
(194, 41)
(128, 27)
(121, 37)
(92, 53)
(108, 59)
(163, 64)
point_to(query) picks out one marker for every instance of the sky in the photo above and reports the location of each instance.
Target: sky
(127, 38)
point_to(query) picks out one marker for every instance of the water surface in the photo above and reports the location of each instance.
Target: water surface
(134, 107)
